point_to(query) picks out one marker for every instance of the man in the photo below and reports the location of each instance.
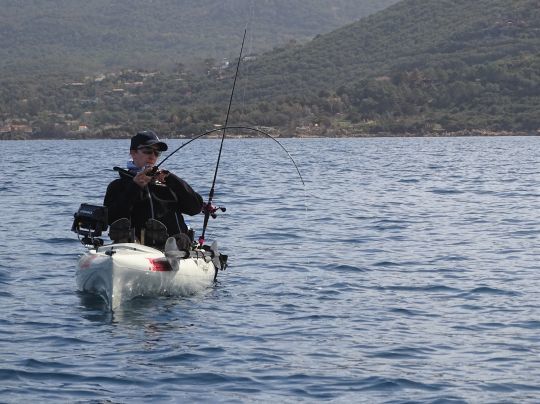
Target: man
(145, 194)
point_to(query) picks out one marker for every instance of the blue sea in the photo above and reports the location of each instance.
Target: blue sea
(405, 270)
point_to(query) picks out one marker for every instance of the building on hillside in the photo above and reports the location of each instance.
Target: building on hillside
(24, 129)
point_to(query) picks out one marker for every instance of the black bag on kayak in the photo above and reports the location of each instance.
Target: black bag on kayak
(90, 220)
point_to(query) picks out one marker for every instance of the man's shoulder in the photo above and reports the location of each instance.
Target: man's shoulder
(119, 182)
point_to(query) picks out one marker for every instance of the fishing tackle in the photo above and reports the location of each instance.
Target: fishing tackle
(209, 210)
(257, 130)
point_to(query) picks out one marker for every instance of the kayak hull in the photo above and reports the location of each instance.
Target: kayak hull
(121, 272)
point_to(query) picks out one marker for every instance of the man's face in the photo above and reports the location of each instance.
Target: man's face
(145, 156)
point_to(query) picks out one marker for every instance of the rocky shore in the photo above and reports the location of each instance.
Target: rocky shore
(274, 132)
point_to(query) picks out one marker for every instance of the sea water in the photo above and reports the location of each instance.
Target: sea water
(405, 270)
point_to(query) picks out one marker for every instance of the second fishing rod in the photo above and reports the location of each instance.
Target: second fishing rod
(209, 209)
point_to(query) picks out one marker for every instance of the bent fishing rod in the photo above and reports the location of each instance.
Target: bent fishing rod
(257, 130)
(208, 208)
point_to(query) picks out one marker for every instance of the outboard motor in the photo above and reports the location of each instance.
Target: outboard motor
(90, 221)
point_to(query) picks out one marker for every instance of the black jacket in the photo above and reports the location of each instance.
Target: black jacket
(124, 198)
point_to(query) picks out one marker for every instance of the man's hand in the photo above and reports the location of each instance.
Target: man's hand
(141, 179)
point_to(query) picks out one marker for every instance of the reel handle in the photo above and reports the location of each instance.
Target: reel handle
(211, 210)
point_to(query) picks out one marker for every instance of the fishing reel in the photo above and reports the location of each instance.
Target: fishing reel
(155, 171)
(209, 209)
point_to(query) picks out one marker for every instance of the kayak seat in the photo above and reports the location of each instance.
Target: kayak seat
(155, 234)
(120, 231)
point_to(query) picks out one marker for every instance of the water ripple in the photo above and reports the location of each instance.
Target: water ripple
(417, 285)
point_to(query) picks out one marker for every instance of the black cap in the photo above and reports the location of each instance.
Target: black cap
(147, 138)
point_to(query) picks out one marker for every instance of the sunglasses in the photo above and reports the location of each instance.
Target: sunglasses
(150, 150)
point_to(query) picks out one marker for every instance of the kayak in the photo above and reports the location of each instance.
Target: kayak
(122, 271)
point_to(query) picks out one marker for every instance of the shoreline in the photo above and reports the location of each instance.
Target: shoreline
(274, 133)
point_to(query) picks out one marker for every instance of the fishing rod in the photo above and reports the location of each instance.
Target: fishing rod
(238, 128)
(208, 209)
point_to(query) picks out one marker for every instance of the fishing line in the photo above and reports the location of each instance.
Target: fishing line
(249, 52)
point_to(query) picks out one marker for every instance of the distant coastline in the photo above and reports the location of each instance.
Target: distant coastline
(274, 133)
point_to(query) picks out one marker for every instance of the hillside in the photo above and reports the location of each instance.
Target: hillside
(419, 67)
(466, 64)
(74, 36)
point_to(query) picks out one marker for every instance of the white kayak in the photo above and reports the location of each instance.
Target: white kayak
(120, 272)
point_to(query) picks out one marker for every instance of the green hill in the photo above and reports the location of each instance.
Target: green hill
(42, 36)
(420, 66)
